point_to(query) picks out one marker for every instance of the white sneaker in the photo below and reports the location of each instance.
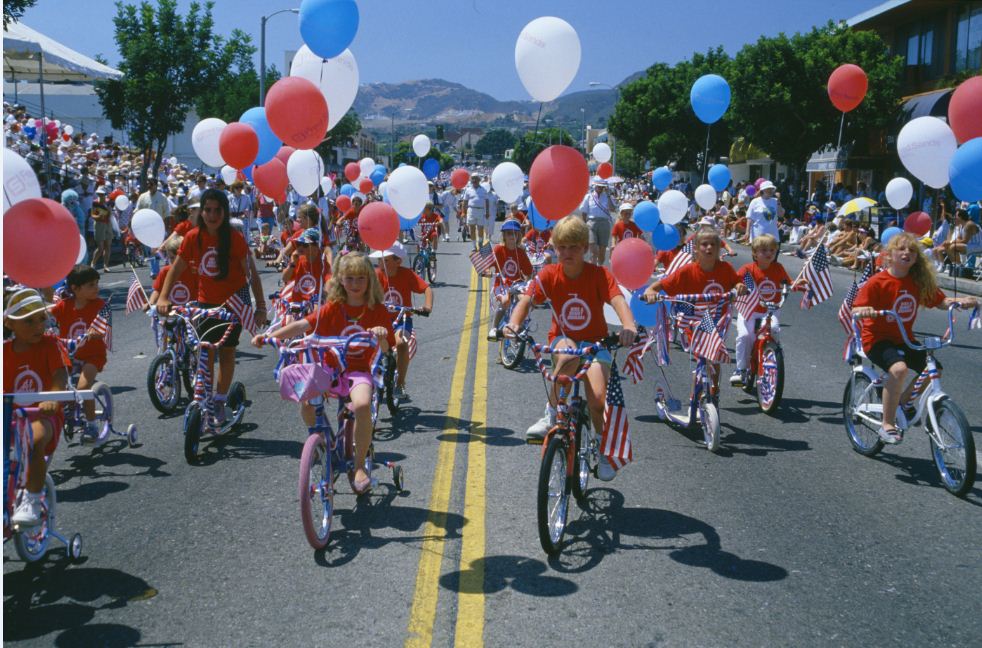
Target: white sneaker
(492, 334)
(737, 379)
(605, 472)
(446, 238)
(538, 430)
(28, 512)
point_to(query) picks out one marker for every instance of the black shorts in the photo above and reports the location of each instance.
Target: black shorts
(885, 354)
(211, 329)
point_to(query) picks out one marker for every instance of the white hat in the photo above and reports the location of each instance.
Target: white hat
(101, 190)
(397, 249)
(767, 184)
(626, 207)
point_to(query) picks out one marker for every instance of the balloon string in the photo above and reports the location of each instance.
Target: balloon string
(705, 155)
(535, 133)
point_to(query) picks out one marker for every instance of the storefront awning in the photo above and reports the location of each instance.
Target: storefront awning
(929, 104)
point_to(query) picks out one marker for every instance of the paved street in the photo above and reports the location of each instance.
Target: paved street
(787, 537)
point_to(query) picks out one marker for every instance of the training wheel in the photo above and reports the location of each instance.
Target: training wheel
(74, 548)
(131, 434)
(399, 478)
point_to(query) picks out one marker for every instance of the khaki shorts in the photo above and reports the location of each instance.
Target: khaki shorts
(103, 232)
(599, 231)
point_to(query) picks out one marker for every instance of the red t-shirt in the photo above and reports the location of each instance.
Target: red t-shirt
(309, 277)
(768, 281)
(199, 251)
(512, 264)
(883, 291)
(578, 302)
(538, 240)
(337, 319)
(665, 257)
(625, 229)
(399, 289)
(183, 227)
(32, 370)
(691, 279)
(428, 225)
(75, 322)
(184, 289)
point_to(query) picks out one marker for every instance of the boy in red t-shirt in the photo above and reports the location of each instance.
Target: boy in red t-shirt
(34, 361)
(429, 226)
(513, 265)
(76, 317)
(625, 227)
(769, 277)
(578, 291)
(310, 267)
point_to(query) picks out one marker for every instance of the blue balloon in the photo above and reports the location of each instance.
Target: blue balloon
(348, 190)
(888, 234)
(644, 314)
(328, 26)
(665, 237)
(719, 176)
(380, 168)
(377, 177)
(247, 172)
(661, 178)
(30, 131)
(409, 223)
(646, 215)
(401, 164)
(710, 97)
(385, 196)
(431, 168)
(269, 143)
(539, 221)
(965, 171)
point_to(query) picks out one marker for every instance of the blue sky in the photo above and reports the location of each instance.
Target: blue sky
(473, 41)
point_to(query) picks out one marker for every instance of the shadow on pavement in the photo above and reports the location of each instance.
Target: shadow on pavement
(94, 471)
(493, 574)
(737, 441)
(234, 445)
(120, 390)
(605, 526)
(923, 472)
(106, 635)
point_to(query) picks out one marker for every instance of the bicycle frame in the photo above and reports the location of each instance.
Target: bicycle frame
(202, 384)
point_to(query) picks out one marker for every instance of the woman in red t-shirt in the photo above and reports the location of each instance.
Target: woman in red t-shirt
(354, 304)
(906, 283)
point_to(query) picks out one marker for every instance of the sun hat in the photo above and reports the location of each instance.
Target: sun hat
(767, 184)
(626, 207)
(511, 226)
(397, 249)
(24, 303)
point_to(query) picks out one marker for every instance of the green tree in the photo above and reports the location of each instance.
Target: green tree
(167, 61)
(531, 144)
(405, 155)
(495, 142)
(238, 89)
(13, 10)
(654, 116)
(341, 135)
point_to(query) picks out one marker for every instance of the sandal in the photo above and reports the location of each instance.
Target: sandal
(361, 486)
(892, 436)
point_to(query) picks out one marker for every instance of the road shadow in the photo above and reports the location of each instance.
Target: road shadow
(95, 472)
(493, 574)
(738, 441)
(121, 390)
(235, 445)
(923, 472)
(51, 596)
(605, 526)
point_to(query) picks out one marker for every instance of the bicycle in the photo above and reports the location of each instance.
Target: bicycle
(75, 419)
(388, 365)
(199, 416)
(133, 249)
(765, 375)
(171, 367)
(511, 351)
(952, 445)
(32, 543)
(424, 263)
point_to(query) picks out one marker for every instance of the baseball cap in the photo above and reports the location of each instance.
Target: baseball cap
(310, 235)
(24, 303)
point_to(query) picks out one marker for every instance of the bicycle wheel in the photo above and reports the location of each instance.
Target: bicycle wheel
(864, 437)
(419, 265)
(553, 495)
(770, 382)
(511, 351)
(389, 385)
(32, 543)
(956, 460)
(164, 383)
(431, 270)
(187, 373)
(236, 402)
(316, 491)
(103, 397)
(192, 433)
(709, 423)
(586, 457)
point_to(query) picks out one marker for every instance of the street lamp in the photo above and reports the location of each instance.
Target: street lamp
(610, 136)
(262, 51)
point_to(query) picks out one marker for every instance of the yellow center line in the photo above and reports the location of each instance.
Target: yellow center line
(423, 612)
(470, 605)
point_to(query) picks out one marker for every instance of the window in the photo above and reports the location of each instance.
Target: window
(968, 39)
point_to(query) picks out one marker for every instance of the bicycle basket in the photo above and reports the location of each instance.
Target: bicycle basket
(301, 382)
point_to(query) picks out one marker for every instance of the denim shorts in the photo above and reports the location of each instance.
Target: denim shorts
(603, 356)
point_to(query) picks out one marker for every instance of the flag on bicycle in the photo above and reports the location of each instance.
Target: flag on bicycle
(615, 442)
(845, 311)
(661, 334)
(747, 304)
(483, 258)
(136, 297)
(707, 342)
(683, 257)
(103, 325)
(634, 363)
(819, 278)
(412, 344)
(241, 306)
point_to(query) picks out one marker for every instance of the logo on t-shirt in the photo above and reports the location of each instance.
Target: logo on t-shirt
(713, 288)
(510, 268)
(351, 329)
(27, 381)
(209, 263)
(575, 314)
(628, 234)
(905, 306)
(180, 294)
(767, 289)
(392, 297)
(77, 329)
(307, 284)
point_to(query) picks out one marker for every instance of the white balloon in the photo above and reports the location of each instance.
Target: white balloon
(925, 146)
(148, 227)
(706, 196)
(601, 152)
(547, 57)
(408, 191)
(337, 79)
(326, 184)
(508, 181)
(610, 315)
(421, 145)
(229, 174)
(672, 206)
(69, 129)
(204, 140)
(367, 165)
(305, 169)
(899, 191)
(83, 249)
(122, 202)
(19, 180)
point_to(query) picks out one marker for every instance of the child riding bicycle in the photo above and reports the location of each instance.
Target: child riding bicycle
(513, 266)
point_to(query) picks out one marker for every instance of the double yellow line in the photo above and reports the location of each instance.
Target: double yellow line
(469, 628)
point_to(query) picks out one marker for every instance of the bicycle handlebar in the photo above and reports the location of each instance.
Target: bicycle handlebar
(778, 304)
(942, 341)
(694, 299)
(23, 398)
(407, 310)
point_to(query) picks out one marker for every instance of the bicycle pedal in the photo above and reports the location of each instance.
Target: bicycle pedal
(535, 441)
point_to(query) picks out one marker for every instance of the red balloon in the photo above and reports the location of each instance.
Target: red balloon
(238, 145)
(33, 260)
(283, 155)
(352, 171)
(343, 203)
(965, 109)
(378, 225)
(558, 180)
(847, 86)
(632, 262)
(459, 178)
(66, 137)
(271, 179)
(605, 170)
(365, 185)
(297, 112)
(917, 223)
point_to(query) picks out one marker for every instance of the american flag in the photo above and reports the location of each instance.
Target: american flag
(286, 292)
(633, 364)
(241, 305)
(747, 304)
(412, 345)
(136, 298)
(707, 342)
(683, 257)
(845, 311)
(615, 443)
(103, 325)
(819, 278)
(662, 334)
(483, 258)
